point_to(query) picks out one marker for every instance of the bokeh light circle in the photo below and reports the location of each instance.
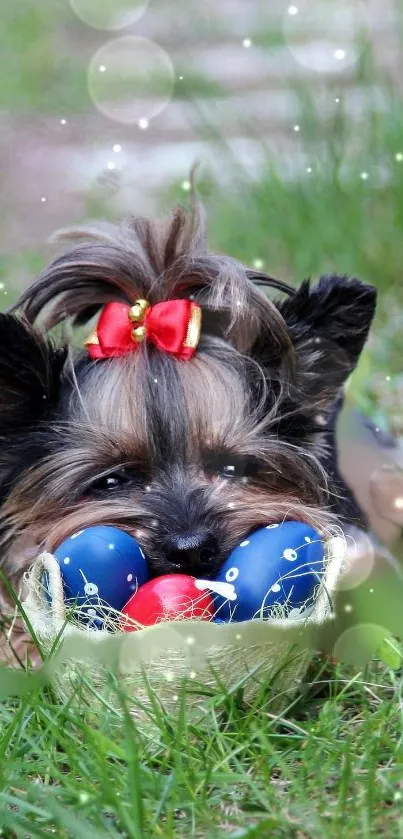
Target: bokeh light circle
(131, 79)
(386, 490)
(109, 14)
(326, 37)
(365, 641)
(360, 561)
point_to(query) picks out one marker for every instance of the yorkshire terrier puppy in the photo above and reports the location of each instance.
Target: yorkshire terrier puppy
(188, 445)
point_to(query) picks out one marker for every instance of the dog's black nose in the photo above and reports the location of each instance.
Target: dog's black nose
(191, 553)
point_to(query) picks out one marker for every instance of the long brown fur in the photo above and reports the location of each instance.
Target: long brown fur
(259, 392)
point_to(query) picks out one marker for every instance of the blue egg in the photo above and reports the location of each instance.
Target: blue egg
(280, 564)
(100, 564)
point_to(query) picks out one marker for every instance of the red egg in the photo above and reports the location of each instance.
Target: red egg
(169, 597)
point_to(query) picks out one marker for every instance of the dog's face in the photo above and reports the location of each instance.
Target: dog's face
(188, 456)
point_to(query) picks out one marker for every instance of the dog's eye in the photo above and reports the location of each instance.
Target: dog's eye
(108, 483)
(231, 466)
(113, 481)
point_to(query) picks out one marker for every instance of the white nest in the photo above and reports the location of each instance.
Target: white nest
(275, 652)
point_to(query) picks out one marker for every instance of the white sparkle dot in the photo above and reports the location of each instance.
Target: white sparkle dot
(239, 302)
(371, 591)
(83, 797)
(186, 186)
(348, 607)
(110, 164)
(92, 613)
(181, 78)
(1, 286)
(244, 480)
(309, 169)
(154, 523)
(258, 264)
(337, 100)
(169, 677)
(66, 560)
(156, 381)
(117, 147)
(276, 587)
(175, 697)
(192, 674)
(397, 796)
(364, 176)
(399, 156)
(102, 68)
(339, 55)
(43, 199)
(297, 127)
(238, 636)
(387, 378)
(143, 123)
(398, 503)
(129, 578)
(247, 43)
(292, 10)
(148, 489)
(63, 121)
(111, 546)
(190, 640)
(231, 505)
(244, 544)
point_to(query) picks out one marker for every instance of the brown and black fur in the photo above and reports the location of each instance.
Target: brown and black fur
(145, 442)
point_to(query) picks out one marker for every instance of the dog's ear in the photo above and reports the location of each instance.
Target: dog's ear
(329, 324)
(30, 374)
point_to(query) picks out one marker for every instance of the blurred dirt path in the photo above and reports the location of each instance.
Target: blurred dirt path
(54, 169)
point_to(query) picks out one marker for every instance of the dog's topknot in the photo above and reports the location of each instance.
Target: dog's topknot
(156, 260)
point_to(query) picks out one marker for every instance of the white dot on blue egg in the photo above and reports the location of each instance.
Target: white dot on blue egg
(308, 539)
(271, 526)
(74, 536)
(66, 560)
(244, 544)
(275, 588)
(92, 613)
(290, 554)
(231, 574)
(129, 578)
(111, 547)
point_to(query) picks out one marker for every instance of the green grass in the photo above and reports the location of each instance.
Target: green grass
(37, 75)
(330, 766)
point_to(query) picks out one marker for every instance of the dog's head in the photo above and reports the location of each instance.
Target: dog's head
(189, 456)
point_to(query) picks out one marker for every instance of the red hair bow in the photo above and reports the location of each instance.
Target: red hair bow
(173, 326)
